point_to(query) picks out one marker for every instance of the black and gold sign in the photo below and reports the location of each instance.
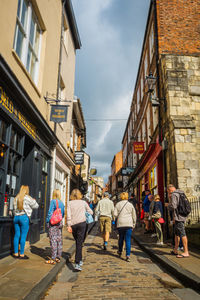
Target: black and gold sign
(59, 113)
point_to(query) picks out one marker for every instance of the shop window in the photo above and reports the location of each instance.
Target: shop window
(3, 131)
(44, 164)
(28, 38)
(153, 180)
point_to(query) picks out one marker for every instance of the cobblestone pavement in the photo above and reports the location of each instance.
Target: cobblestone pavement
(106, 276)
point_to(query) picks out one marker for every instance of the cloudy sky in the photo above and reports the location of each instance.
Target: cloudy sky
(111, 33)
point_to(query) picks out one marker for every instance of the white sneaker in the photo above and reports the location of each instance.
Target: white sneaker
(154, 235)
(77, 267)
(81, 263)
(159, 243)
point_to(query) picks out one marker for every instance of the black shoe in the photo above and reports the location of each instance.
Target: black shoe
(119, 253)
(104, 247)
(146, 232)
(23, 257)
(15, 256)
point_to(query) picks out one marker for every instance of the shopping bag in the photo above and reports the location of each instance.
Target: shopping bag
(89, 218)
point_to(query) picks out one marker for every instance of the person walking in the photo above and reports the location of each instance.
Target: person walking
(146, 205)
(105, 211)
(179, 226)
(156, 213)
(55, 231)
(76, 223)
(22, 210)
(126, 220)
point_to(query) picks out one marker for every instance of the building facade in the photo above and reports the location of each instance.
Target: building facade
(165, 112)
(37, 63)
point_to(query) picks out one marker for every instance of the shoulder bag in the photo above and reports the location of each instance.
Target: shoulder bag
(119, 214)
(57, 215)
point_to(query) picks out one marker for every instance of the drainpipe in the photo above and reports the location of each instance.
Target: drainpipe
(159, 114)
(60, 57)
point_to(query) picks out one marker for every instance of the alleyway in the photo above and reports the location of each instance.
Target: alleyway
(105, 276)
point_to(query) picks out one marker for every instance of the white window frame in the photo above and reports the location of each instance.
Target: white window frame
(26, 42)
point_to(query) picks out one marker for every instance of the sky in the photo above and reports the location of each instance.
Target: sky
(111, 33)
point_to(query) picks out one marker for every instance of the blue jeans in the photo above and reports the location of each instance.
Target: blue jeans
(125, 234)
(21, 225)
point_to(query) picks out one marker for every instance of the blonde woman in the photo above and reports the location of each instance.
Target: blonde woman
(22, 210)
(55, 231)
(126, 220)
(76, 222)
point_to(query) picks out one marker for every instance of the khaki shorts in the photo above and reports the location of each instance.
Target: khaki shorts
(105, 224)
(146, 216)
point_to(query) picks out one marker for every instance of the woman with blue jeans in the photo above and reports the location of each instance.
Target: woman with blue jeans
(22, 210)
(126, 220)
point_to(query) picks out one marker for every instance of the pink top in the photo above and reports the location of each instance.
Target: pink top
(76, 212)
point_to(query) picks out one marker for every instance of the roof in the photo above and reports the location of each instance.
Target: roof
(73, 25)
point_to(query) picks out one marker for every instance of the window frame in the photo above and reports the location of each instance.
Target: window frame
(27, 47)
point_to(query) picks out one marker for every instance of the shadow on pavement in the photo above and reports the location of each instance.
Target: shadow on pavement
(40, 251)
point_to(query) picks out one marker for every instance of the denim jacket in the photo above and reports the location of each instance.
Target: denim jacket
(52, 207)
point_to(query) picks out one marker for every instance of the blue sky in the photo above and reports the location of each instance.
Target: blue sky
(111, 33)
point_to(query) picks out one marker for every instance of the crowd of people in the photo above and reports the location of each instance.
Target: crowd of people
(122, 217)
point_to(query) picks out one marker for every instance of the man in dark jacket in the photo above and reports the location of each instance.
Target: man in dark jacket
(179, 227)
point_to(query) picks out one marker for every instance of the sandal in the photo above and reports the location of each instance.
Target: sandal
(50, 262)
(57, 260)
(173, 252)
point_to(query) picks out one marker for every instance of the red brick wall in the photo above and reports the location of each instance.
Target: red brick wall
(118, 161)
(179, 26)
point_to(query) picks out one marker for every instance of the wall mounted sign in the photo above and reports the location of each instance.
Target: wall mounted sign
(13, 110)
(79, 157)
(59, 113)
(138, 147)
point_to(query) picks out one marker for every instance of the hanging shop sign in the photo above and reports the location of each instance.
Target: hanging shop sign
(79, 157)
(9, 106)
(138, 147)
(127, 171)
(93, 171)
(59, 113)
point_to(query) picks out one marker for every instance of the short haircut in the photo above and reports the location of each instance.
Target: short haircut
(76, 195)
(106, 194)
(147, 191)
(124, 196)
(170, 186)
(56, 194)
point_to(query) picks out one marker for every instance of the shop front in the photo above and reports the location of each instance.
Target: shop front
(25, 156)
(149, 174)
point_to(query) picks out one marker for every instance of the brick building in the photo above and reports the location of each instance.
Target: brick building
(166, 116)
(116, 177)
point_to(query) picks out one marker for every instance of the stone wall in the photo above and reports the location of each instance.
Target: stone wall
(181, 80)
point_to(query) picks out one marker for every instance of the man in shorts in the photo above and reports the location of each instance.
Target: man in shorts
(105, 211)
(179, 226)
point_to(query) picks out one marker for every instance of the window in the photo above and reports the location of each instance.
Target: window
(151, 43)
(72, 136)
(142, 87)
(145, 64)
(28, 38)
(138, 100)
(153, 180)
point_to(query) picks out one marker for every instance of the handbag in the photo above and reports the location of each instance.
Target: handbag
(89, 218)
(57, 215)
(161, 220)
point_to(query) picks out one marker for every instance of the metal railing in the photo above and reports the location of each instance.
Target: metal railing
(194, 216)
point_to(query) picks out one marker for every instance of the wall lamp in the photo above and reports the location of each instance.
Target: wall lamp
(151, 83)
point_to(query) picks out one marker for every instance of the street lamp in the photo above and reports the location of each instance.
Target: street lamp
(151, 83)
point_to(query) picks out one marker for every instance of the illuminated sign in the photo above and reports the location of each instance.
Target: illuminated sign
(138, 147)
(59, 113)
(9, 106)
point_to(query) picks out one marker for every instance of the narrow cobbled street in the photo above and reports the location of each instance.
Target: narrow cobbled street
(106, 276)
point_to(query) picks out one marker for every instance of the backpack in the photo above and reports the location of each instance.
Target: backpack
(184, 207)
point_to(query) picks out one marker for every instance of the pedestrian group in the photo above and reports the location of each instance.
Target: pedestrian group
(122, 217)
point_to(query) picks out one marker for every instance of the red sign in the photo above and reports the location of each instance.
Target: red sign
(138, 147)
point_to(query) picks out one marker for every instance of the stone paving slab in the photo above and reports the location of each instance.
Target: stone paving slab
(106, 276)
(187, 270)
(19, 277)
